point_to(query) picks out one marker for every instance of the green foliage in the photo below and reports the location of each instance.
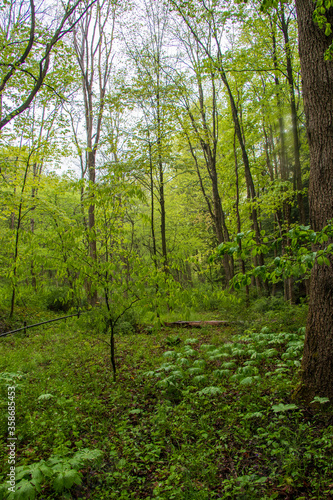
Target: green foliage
(59, 299)
(173, 340)
(190, 418)
(298, 260)
(177, 416)
(61, 473)
(320, 18)
(245, 365)
(129, 322)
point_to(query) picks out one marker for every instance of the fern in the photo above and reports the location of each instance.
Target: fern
(199, 379)
(183, 361)
(169, 354)
(194, 370)
(229, 364)
(200, 363)
(221, 373)
(210, 391)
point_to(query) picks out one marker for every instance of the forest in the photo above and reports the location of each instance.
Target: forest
(166, 229)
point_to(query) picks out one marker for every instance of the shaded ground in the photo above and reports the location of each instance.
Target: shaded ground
(200, 414)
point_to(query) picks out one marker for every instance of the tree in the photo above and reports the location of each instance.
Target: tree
(317, 74)
(93, 44)
(207, 22)
(25, 63)
(153, 95)
(200, 128)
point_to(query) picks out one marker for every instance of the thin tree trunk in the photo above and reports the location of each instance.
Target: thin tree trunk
(246, 163)
(152, 220)
(209, 149)
(239, 226)
(160, 171)
(294, 119)
(288, 295)
(17, 237)
(268, 153)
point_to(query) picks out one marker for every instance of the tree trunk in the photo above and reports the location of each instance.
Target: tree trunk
(91, 221)
(239, 226)
(283, 156)
(160, 167)
(248, 175)
(288, 288)
(317, 74)
(152, 222)
(294, 119)
(208, 140)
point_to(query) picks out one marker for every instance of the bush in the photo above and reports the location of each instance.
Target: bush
(96, 321)
(128, 323)
(59, 299)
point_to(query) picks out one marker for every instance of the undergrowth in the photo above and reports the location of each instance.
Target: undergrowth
(195, 414)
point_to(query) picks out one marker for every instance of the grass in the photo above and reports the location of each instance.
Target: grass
(206, 417)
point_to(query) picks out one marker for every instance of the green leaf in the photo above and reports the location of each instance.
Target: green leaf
(229, 364)
(318, 399)
(189, 352)
(25, 490)
(247, 381)
(200, 363)
(221, 373)
(282, 407)
(66, 479)
(183, 362)
(169, 354)
(191, 341)
(194, 370)
(44, 397)
(210, 391)
(256, 414)
(199, 379)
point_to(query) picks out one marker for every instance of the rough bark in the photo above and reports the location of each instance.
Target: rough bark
(317, 74)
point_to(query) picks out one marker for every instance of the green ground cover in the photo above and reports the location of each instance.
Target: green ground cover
(195, 414)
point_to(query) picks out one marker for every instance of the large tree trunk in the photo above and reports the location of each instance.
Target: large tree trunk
(317, 364)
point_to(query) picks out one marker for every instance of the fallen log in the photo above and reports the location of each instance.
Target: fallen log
(198, 324)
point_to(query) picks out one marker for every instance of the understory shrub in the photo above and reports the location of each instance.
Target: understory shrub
(59, 299)
(59, 474)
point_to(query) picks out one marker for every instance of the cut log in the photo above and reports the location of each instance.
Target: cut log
(198, 324)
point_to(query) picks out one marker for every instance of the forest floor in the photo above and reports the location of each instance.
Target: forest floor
(195, 414)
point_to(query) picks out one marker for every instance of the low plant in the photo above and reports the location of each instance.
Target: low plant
(59, 299)
(58, 474)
